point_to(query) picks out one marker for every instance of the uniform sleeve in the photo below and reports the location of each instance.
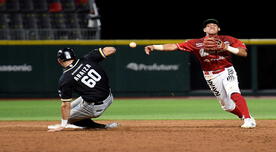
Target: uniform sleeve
(96, 55)
(236, 43)
(65, 91)
(187, 46)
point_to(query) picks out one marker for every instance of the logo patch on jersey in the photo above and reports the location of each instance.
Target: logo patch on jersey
(67, 55)
(230, 76)
(199, 45)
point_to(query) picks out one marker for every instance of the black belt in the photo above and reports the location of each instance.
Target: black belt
(95, 102)
(98, 103)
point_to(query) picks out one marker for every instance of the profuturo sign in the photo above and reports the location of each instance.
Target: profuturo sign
(152, 67)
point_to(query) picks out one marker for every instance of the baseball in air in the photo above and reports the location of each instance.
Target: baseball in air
(132, 44)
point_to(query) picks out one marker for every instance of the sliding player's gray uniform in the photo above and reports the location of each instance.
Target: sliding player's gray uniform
(88, 79)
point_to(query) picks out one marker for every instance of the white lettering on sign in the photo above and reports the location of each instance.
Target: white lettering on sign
(152, 67)
(16, 68)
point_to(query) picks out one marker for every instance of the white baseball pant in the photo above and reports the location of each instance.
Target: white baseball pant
(223, 85)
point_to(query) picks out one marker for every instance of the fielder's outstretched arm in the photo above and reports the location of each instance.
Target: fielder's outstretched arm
(164, 47)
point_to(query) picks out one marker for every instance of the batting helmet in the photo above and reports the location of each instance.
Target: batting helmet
(66, 54)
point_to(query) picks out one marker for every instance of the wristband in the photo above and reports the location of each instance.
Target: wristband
(102, 53)
(63, 123)
(232, 49)
(158, 47)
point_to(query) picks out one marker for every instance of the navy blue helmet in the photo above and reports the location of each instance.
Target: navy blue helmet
(66, 54)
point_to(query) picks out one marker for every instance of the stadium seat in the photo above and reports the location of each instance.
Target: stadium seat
(58, 20)
(48, 19)
(90, 34)
(58, 23)
(4, 26)
(82, 5)
(16, 30)
(4, 22)
(16, 21)
(55, 7)
(2, 5)
(30, 26)
(43, 21)
(68, 5)
(83, 20)
(12, 5)
(29, 21)
(17, 34)
(74, 34)
(45, 34)
(71, 20)
(26, 5)
(40, 6)
(4, 34)
(31, 34)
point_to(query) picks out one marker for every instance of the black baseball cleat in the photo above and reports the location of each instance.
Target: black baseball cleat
(89, 124)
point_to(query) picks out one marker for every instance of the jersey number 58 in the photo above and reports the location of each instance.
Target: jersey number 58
(92, 78)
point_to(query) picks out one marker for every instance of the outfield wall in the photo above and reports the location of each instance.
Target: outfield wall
(29, 69)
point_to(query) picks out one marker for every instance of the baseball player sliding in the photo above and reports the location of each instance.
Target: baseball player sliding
(214, 54)
(87, 78)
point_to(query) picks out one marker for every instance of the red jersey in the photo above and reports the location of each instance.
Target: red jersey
(211, 60)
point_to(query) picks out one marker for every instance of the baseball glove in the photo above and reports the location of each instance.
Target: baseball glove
(213, 44)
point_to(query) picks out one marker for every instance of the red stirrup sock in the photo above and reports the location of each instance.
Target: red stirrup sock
(237, 112)
(241, 104)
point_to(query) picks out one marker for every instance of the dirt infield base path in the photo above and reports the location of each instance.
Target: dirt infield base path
(141, 136)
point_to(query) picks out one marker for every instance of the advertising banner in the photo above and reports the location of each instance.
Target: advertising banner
(32, 71)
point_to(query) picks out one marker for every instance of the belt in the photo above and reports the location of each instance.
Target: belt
(98, 103)
(213, 72)
(95, 102)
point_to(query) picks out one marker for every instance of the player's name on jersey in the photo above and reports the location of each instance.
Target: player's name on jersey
(81, 70)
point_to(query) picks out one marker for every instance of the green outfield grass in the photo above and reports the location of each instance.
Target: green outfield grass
(138, 109)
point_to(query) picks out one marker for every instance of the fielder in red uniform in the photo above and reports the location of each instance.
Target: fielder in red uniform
(214, 54)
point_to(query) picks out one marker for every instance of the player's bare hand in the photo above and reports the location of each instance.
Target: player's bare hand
(109, 50)
(55, 128)
(148, 49)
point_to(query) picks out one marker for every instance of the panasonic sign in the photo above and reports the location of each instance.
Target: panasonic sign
(153, 67)
(16, 68)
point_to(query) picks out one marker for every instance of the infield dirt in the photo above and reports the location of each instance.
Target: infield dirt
(141, 136)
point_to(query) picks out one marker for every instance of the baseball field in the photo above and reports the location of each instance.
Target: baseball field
(155, 124)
